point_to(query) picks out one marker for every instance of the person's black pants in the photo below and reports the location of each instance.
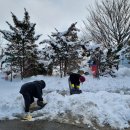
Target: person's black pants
(73, 90)
(28, 99)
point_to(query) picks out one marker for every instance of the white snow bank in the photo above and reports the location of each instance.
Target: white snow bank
(123, 71)
(106, 101)
(104, 107)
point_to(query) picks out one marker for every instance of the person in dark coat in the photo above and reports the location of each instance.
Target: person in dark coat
(32, 90)
(74, 83)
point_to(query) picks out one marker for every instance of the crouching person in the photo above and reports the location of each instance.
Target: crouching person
(74, 83)
(30, 91)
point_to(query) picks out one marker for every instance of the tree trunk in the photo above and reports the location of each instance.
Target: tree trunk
(65, 67)
(11, 78)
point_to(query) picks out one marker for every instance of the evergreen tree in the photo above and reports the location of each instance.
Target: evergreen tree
(105, 60)
(1, 47)
(66, 49)
(22, 50)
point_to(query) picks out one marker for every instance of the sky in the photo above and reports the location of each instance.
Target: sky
(105, 101)
(47, 14)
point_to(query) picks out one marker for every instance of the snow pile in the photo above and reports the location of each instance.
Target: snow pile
(104, 107)
(123, 71)
(105, 100)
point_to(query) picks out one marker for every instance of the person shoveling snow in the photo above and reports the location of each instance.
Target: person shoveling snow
(30, 91)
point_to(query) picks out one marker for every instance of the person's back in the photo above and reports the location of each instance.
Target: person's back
(28, 87)
(74, 78)
(33, 88)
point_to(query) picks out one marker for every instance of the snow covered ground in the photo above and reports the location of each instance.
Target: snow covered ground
(105, 100)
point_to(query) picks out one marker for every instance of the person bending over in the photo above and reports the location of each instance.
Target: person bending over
(74, 83)
(32, 90)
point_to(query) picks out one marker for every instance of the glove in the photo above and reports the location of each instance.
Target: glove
(40, 103)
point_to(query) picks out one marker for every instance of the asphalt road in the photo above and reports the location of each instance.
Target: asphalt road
(46, 125)
(38, 125)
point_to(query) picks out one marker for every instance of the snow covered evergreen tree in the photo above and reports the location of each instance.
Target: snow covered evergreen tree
(48, 59)
(66, 49)
(105, 60)
(22, 50)
(1, 47)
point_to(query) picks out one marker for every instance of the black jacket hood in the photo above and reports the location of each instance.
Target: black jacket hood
(41, 83)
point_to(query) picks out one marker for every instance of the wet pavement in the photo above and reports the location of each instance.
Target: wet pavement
(46, 125)
(38, 125)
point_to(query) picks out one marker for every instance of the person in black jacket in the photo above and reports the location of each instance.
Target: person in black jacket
(31, 90)
(74, 83)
